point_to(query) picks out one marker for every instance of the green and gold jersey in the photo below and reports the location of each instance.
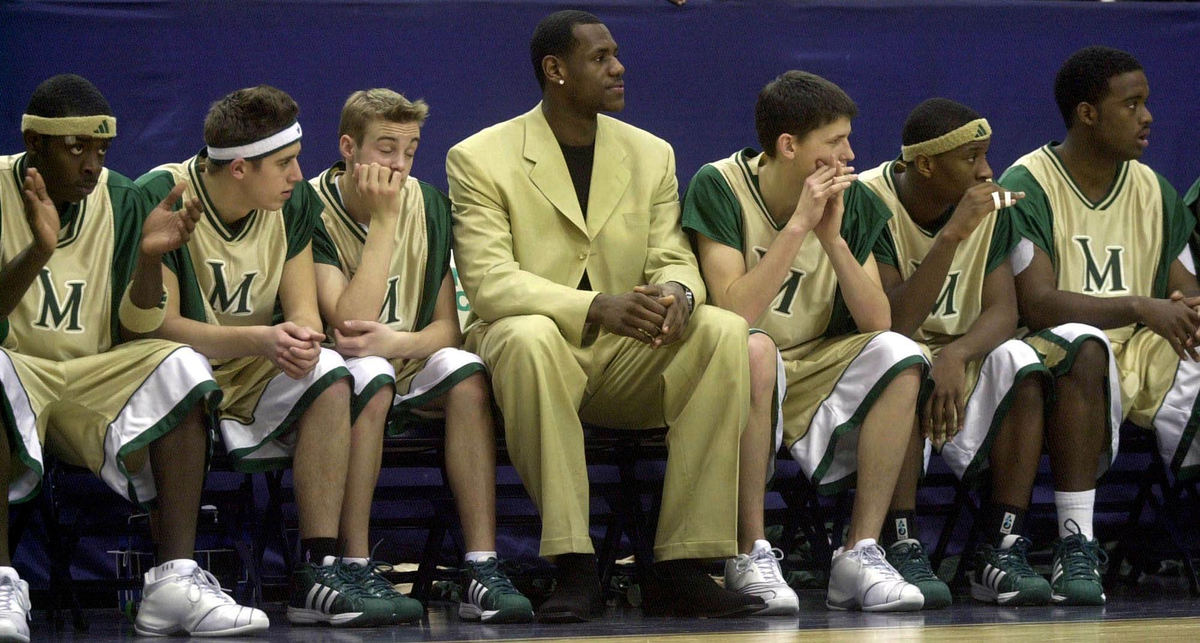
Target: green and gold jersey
(1122, 245)
(723, 202)
(905, 244)
(70, 310)
(229, 273)
(422, 256)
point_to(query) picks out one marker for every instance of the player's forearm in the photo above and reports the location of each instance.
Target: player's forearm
(146, 288)
(212, 341)
(437, 335)
(18, 275)
(750, 294)
(994, 326)
(864, 297)
(365, 293)
(1056, 307)
(912, 299)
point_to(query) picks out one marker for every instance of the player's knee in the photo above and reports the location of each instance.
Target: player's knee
(472, 392)
(1091, 362)
(337, 393)
(763, 365)
(377, 407)
(907, 383)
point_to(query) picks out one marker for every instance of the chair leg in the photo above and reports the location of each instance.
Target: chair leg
(1122, 550)
(427, 571)
(1170, 521)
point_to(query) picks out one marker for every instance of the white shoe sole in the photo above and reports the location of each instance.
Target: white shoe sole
(989, 595)
(249, 628)
(468, 612)
(786, 606)
(902, 605)
(301, 616)
(14, 636)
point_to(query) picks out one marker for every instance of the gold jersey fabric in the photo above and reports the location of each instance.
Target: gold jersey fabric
(229, 274)
(70, 309)
(905, 244)
(422, 256)
(1121, 245)
(724, 203)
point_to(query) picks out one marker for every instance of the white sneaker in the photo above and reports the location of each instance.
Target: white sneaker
(180, 596)
(14, 606)
(861, 578)
(758, 574)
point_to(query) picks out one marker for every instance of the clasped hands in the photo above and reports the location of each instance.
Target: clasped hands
(654, 314)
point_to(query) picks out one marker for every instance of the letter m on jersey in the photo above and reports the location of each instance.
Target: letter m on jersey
(56, 314)
(787, 292)
(1107, 279)
(221, 299)
(391, 302)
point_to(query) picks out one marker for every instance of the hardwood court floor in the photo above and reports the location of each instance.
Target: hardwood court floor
(1152, 611)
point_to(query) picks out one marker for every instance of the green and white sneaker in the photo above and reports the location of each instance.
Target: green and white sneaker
(1075, 573)
(489, 596)
(1002, 575)
(908, 557)
(369, 577)
(329, 593)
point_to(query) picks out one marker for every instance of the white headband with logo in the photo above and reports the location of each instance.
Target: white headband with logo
(257, 149)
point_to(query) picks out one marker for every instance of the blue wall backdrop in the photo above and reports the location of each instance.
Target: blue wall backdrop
(693, 72)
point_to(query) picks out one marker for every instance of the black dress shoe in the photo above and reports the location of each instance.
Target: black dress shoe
(577, 597)
(681, 588)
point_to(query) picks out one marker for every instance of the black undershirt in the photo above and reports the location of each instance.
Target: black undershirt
(579, 164)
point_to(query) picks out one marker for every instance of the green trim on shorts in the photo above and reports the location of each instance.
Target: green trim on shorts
(14, 438)
(401, 412)
(1181, 472)
(855, 422)
(1071, 350)
(978, 464)
(206, 390)
(250, 465)
(359, 402)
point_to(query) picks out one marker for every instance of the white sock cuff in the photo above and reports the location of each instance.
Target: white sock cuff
(361, 562)
(760, 546)
(479, 556)
(1077, 508)
(864, 543)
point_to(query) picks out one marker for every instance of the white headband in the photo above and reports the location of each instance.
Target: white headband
(257, 149)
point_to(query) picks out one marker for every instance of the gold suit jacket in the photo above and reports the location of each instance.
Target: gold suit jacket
(521, 242)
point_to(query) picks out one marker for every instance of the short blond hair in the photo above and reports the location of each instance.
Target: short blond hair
(367, 105)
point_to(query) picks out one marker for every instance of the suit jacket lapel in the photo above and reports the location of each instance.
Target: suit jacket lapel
(610, 177)
(549, 172)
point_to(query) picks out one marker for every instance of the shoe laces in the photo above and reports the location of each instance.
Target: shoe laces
(201, 582)
(767, 562)
(1080, 557)
(910, 560)
(1015, 559)
(11, 597)
(346, 579)
(488, 574)
(371, 577)
(873, 557)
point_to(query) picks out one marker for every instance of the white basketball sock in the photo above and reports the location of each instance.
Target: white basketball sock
(478, 556)
(1075, 506)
